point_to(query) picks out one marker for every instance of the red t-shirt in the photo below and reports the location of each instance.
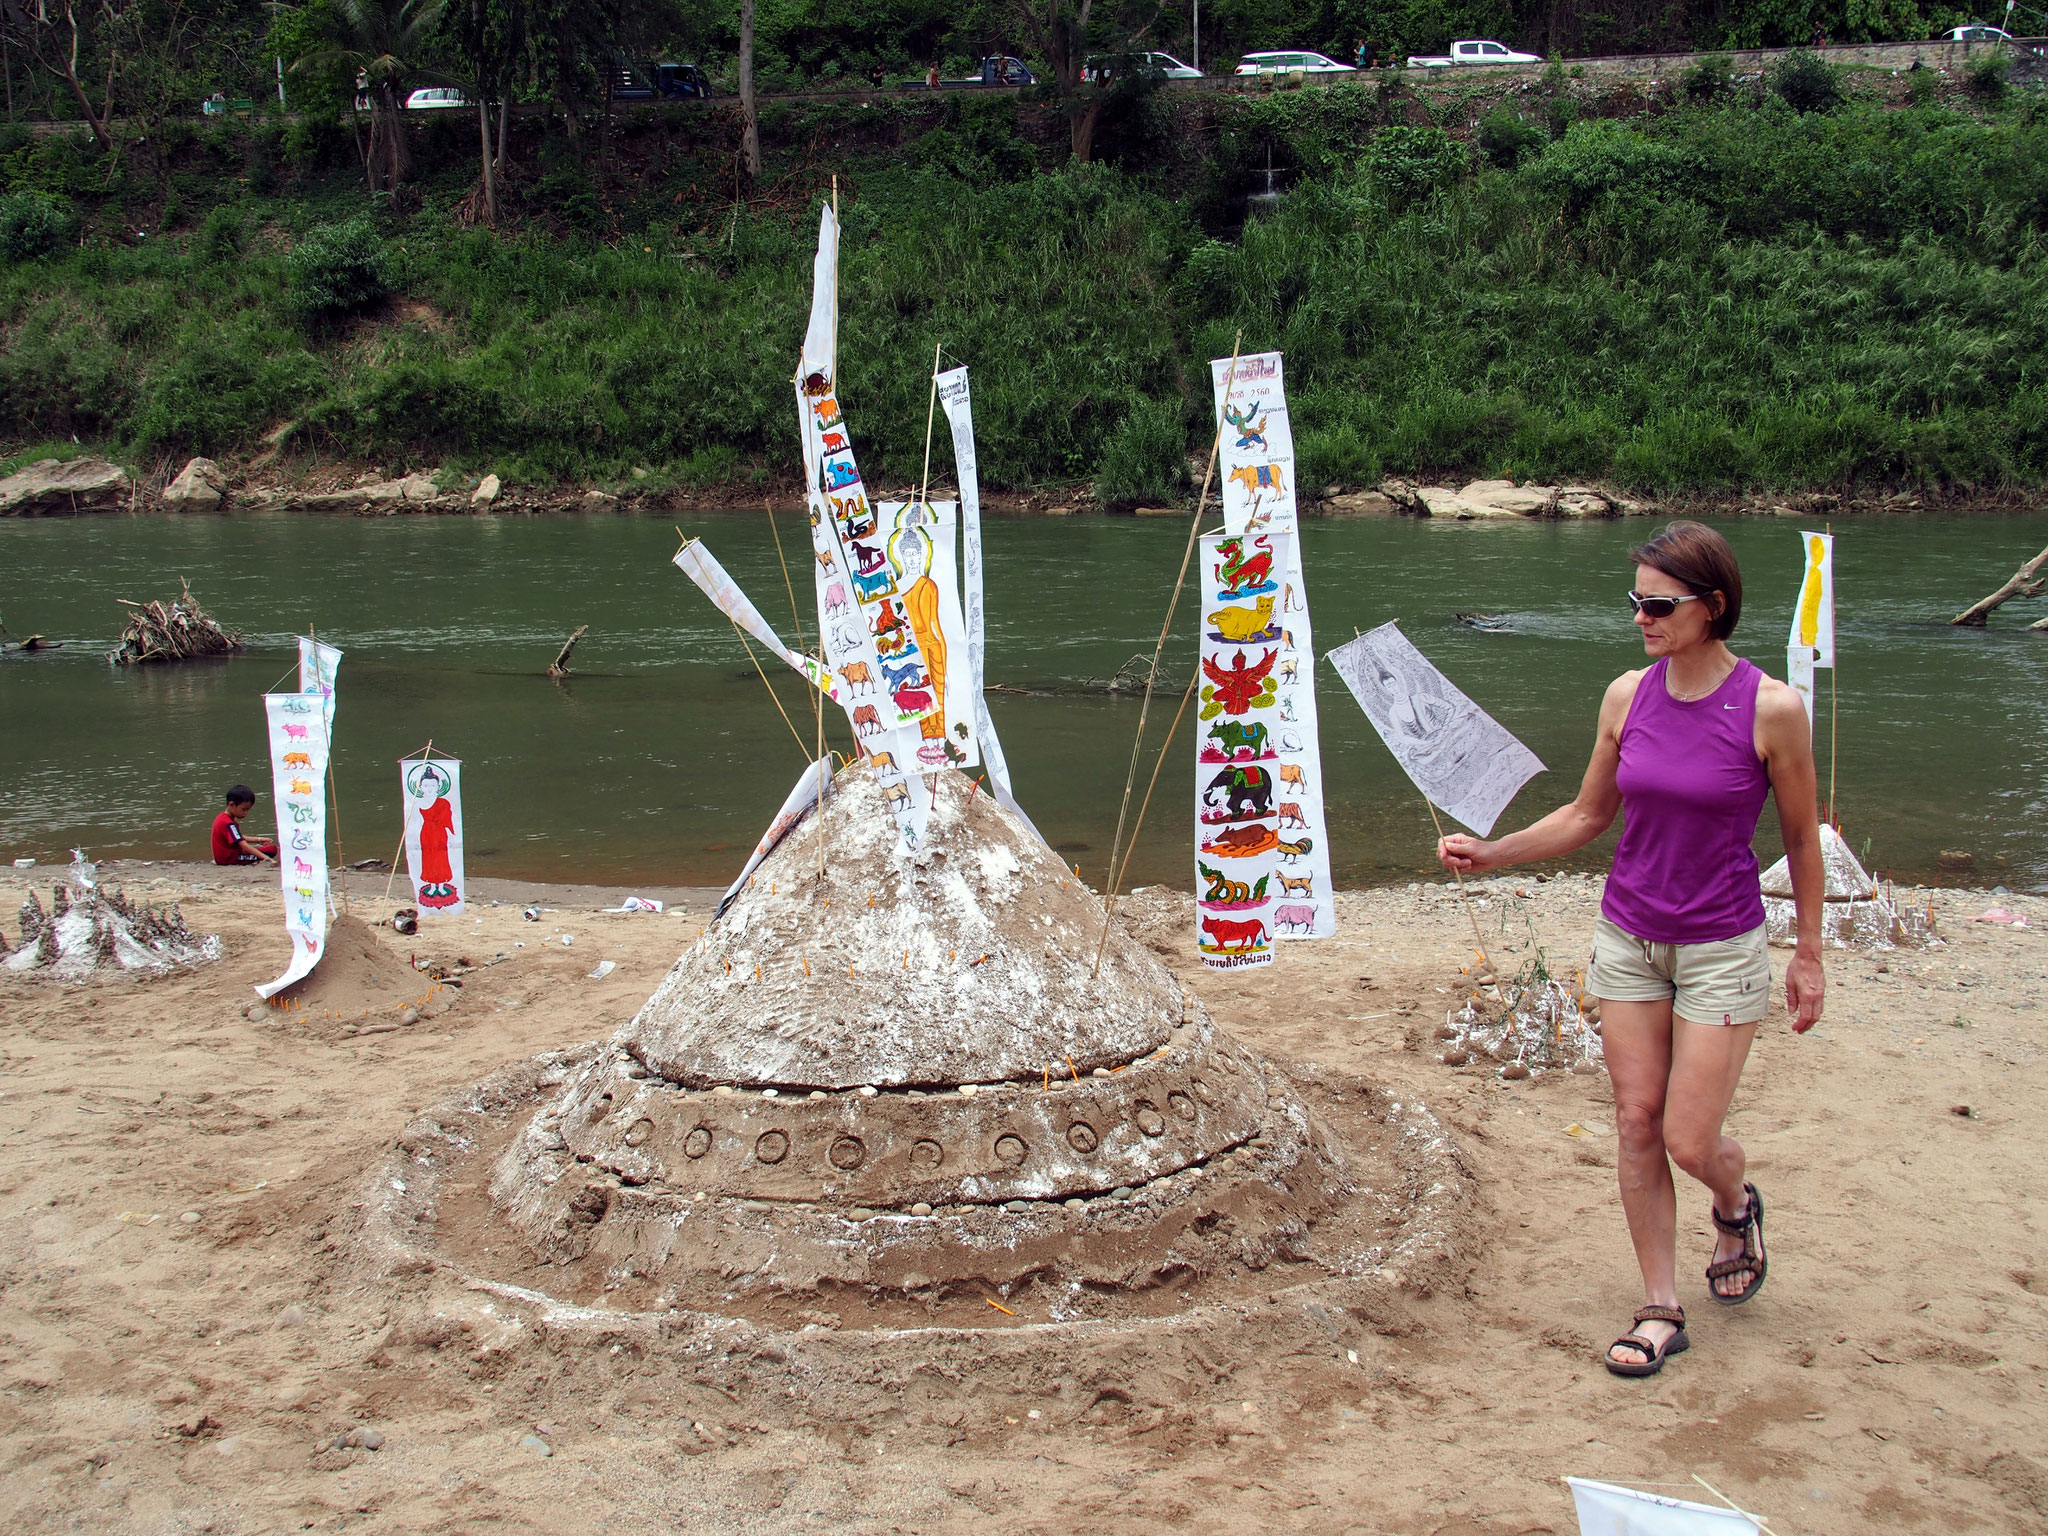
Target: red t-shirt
(227, 837)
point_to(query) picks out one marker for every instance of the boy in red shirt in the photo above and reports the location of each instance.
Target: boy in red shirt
(229, 846)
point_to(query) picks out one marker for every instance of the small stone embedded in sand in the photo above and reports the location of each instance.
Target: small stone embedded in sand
(535, 1444)
(191, 1218)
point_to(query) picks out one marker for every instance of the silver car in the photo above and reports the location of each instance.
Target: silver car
(1291, 64)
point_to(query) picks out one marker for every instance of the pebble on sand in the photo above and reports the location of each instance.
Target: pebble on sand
(535, 1444)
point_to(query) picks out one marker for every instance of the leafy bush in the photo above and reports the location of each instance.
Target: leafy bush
(1145, 457)
(31, 223)
(337, 270)
(1985, 77)
(1408, 164)
(1924, 86)
(219, 239)
(1807, 83)
(1506, 137)
(1708, 80)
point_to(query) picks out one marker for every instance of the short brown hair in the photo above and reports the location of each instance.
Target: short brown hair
(1698, 556)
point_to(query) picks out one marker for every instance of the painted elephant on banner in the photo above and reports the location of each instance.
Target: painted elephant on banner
(1246, 791)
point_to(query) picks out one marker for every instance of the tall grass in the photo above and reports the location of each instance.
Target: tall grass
(1730, 295)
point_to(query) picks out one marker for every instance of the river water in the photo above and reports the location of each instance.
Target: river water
(662, 758)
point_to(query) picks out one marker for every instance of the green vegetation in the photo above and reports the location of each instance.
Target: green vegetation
(1734, 293)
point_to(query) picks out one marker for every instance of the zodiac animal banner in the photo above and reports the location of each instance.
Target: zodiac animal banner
(1244, 866)
(851, 574)
(431, 791)
(319, 663)
(1256, 447)
(1459, 756)
(298, 780)
(957, 402)
(702, 567)
(1253, 409)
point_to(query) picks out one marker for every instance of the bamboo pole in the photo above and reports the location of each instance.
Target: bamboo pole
(931, 407)
(1466, 899)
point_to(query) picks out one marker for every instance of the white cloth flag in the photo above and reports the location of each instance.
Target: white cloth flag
(1459, 756)
(319, 662)
(1799, 673)
(958, 404)
(1813, 617)
(795, 806)
(1257, 453)
(432, 796)
(702, 567)
(1606, 1510)
(298, 781)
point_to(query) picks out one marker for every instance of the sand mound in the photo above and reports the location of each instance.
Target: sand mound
(357, 977)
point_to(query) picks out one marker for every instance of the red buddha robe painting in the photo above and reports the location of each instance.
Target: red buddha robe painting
(433, 832)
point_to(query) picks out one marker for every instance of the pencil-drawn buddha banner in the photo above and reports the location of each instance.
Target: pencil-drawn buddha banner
(1813, 618)
(1249, 884)
(851, 574)
(957, 402)
(923, 648)
(298, 781)
(702, 567)
(1459, 756)
(1254, 411)
(431, 791)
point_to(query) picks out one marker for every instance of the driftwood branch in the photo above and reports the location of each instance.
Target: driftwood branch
(2024, 583)
(559, 667)
(174, 632)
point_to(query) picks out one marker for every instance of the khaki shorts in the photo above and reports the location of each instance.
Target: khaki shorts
(1725, 982)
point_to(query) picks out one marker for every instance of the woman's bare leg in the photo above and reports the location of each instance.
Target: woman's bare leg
(1706, 1065)
(1636, 1039)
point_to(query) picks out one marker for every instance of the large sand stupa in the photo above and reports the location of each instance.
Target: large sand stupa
(902, 1082)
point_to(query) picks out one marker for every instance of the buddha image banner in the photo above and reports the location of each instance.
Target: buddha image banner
(431, 791)
(298, 779)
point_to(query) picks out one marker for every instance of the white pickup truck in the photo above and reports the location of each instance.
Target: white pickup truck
(1472, 50)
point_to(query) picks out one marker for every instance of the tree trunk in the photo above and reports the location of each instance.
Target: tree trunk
(504, 111)
(483, 131)
(1082, 130)
(2022, 584)
(397, 153)
(68, 68)
(750, 127)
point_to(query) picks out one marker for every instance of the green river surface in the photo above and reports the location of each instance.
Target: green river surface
(661, 760)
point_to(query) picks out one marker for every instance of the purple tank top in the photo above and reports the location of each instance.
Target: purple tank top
(1692, 788)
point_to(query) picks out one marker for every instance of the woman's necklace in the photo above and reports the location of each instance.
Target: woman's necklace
(1690, 698)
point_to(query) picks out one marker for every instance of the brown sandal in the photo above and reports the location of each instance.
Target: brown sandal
(1752, 1260)
(1653, 1356)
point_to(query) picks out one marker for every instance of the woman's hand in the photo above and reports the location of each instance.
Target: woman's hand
(1806, 988)
(1465, 854)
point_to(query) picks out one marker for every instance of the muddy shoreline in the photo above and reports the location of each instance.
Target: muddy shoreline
(197, 1333)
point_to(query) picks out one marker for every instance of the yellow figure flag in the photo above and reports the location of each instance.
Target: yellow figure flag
(1813, 619)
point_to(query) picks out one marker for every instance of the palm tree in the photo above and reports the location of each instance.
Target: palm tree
(382, 41)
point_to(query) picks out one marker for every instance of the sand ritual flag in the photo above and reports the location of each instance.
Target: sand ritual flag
(1257, 456)
(298, 778)
(1812, 641)
(1459, 756)
(1799, 673)
(862, 619)
(956, 401)
(702, 567)
(431, 790)
(795, 806)
(319, 662)
(1240, 850)
(1606, 1510)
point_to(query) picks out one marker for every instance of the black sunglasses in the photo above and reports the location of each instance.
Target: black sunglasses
(1658, 607)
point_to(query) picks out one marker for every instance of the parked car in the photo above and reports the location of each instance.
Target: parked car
(1977, 32)
(1472, 50)
(1165, 63)
(681, 82)
(435, 98)
(996, 69)
(1291, 64)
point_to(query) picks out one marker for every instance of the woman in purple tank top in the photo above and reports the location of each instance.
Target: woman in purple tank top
(1687, 751)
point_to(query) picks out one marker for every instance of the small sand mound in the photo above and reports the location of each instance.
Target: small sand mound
(357, 977)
